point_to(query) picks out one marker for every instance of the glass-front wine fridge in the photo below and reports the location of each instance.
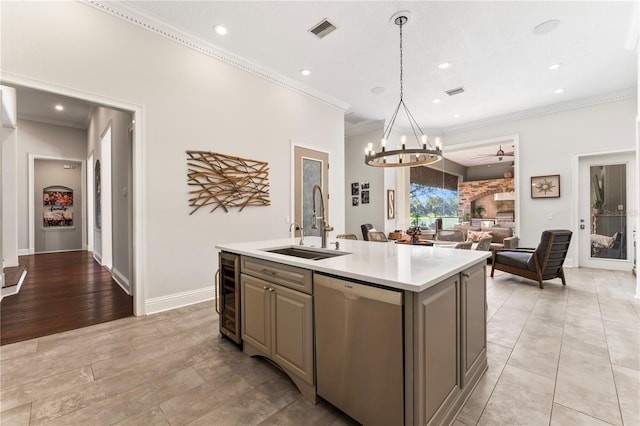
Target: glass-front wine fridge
(228, 295)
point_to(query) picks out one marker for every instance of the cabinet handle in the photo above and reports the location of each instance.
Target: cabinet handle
(466, 274)
(266, 287)
(215, 289)
(267, 271)
(270, 288)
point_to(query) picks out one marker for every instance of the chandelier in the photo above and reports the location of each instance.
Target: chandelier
(422, 153)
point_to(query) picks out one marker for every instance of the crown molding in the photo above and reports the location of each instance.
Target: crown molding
(52, 122)
(151, 23)
(546, 110)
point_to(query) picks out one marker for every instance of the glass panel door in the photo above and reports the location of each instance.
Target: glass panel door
(608, 213)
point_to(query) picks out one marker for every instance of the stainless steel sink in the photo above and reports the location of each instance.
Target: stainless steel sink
(306, 253)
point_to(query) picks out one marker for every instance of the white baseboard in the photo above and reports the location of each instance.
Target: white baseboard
(178, 300)
(97, 257)
(24, 252)
(57, 251)
(122, 281)
(14, 289)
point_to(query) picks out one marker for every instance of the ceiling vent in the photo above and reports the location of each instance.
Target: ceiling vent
(456, 91)
(323, 28)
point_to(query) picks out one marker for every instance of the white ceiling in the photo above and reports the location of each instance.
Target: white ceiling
(494, 53)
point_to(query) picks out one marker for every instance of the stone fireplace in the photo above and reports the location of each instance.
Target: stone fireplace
(481, 193)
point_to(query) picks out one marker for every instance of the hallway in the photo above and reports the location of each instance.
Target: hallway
(61, 292)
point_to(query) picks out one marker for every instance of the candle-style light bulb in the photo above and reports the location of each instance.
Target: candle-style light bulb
(438, 143)
(403, 140)
(424, 141)
(383, 143)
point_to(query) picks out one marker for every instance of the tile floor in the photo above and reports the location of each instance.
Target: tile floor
(558, 356)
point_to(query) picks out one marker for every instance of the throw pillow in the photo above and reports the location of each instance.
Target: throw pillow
(476, 235)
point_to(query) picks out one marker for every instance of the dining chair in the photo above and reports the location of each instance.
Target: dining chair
(366, 227)
(484, 244)
(465, 245)
(347, 236)
(377, 236)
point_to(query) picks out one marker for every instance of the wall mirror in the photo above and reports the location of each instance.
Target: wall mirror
(609, 211)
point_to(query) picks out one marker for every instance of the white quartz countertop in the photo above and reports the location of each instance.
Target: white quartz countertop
(400, 266)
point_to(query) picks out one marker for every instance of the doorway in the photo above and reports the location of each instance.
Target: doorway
(131, 235)
(606, 196)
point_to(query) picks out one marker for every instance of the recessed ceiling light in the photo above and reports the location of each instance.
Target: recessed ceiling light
(378, 90)
(456, 115)
(444, 65)
(305, 72)
(555, 66)
(59, 107)
(561, 90)
(220, 29)
(546, 27)
(436, 101)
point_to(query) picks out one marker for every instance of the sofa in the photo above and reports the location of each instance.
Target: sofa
(502, 234)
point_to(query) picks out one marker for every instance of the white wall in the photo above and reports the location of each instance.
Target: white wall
(547, 146)
(189, 101)
(46, 140)
(121, 185)
(9, 229)
(357, 171)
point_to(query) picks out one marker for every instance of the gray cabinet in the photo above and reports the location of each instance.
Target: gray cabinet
(437, 351)
(474, 323)
(450, 344)
(277, 322)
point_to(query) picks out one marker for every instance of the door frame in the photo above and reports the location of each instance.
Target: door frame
(580, 236)
(139, 181)
(325, 180)
(32, 193)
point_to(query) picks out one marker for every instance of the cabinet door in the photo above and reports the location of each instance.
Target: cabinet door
(438, 349)
(292, 330)
(474, 322)
(256, 324)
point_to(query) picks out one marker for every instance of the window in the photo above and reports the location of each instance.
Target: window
(433, 194)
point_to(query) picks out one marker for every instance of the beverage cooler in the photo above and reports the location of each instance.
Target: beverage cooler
(228, 295)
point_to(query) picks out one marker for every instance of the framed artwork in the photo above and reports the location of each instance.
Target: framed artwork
(545, 186)
(57, 202)
(355, 188)
(365, 196)
(365, 185)
(355, 201)
(391, 201)
(98, 195)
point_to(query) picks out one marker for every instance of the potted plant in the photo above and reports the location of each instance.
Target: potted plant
(597, 207)
(478, 210)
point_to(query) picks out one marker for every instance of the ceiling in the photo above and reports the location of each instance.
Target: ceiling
(491, 46)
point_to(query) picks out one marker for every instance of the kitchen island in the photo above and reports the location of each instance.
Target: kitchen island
(416, 365)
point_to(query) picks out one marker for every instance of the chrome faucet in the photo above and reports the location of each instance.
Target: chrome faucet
(298, 228)
(326, 228)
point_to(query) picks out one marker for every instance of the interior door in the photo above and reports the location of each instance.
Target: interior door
(607, 194)
(310, 168)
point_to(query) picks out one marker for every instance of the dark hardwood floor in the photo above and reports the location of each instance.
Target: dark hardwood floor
(61, 292)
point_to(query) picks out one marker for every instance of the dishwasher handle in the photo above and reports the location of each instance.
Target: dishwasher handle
(352, 289)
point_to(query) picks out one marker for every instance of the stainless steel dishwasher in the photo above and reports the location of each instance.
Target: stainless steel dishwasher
(359, 361)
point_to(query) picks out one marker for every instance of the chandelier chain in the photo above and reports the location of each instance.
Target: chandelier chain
(401, 68)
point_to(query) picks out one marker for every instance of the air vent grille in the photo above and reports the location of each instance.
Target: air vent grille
(456, 91)
(323, 29)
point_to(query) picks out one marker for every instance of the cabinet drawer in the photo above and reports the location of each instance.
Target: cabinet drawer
(288, 276)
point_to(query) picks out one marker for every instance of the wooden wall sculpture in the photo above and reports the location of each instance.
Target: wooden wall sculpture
(226, 181)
